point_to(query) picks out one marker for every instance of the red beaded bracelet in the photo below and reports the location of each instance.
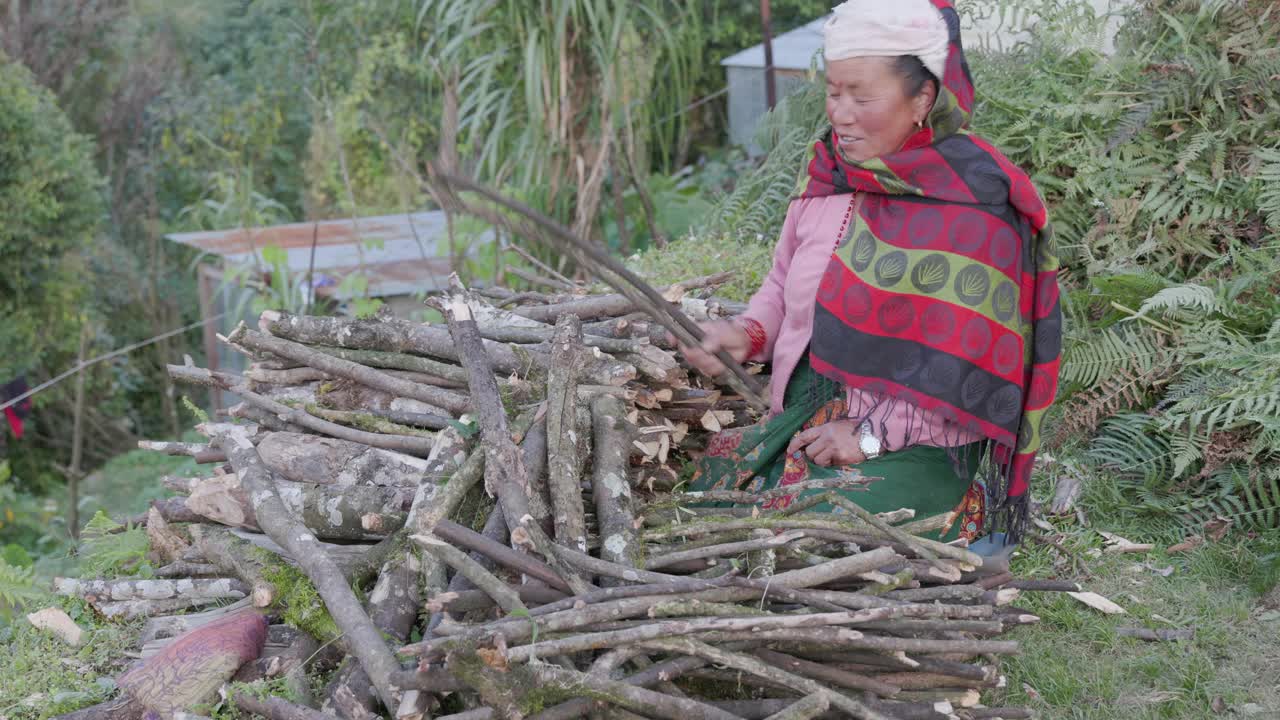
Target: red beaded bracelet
(755, 332)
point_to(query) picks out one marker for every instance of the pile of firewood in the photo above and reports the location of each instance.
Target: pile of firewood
(504, 486)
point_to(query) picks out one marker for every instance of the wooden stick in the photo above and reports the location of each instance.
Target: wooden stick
(610, 487)
(722, 550)
(825, 673)
(609, 269)
(631, 696)
(563, 443)
(300, 418)
(505, 473)
(345, 368)
(364, 639)
(275, 708)
(504, 596)
(465, 537)
(808, 707)
(748, 664)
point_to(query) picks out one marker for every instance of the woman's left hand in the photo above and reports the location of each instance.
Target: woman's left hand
(833, 443)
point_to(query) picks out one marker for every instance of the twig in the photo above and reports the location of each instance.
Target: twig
(746, 663)
(506, 598)
(345, 368)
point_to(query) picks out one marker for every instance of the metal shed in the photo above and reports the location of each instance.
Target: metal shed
(793, 54)
(401, 256)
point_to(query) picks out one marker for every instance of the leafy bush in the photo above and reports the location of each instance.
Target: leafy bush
(697, 255)
(51, 205)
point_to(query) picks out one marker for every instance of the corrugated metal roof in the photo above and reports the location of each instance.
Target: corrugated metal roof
(792, 50)
(399, 254)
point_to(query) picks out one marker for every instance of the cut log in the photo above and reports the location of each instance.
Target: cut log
(108, 590)
(322, 460)
(610, 488)
(563, 445)
(334, 513)
(234, 556)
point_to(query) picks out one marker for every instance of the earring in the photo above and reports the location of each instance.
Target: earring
(919, 124)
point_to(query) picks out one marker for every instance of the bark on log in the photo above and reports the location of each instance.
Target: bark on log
(200, 452)
(505, 472)
(806, 708)
(232, 556)
(834, 676)
(116, 590)
(295, 417)
(275, 708)
(335, 513)
(130, 609)
(452, 402)
(563, 444)
(755, 667)
(401, 336)
(362, 635)
(610, 489)
(322, 460)
(598, 306)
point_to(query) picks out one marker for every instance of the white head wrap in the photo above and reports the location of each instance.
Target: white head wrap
(888, 28)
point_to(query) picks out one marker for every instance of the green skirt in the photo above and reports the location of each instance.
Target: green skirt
(924, 478)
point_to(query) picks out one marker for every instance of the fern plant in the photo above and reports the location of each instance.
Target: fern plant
(17, 585)
(108, 549)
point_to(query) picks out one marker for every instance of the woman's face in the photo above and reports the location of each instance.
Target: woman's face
(868, 107)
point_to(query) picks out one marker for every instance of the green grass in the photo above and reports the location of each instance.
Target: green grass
(40, 676)
(1073, 665)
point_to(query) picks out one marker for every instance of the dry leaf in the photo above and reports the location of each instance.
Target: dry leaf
(59, 623)
(1217, 528)
(1097, 602)
(1187, 545)
(495, 659)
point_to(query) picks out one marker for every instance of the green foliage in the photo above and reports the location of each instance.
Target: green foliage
(16, 585)
(758, 203)
(108, 549)
(297, 598)
(51, 202)
(697, 255)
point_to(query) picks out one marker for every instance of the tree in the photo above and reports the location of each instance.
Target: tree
(51, 205)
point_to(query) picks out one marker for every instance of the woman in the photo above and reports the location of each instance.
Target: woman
(911, 316)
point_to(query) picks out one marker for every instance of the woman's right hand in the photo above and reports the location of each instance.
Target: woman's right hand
(721, 335)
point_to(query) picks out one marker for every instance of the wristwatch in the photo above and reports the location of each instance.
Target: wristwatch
(870, 445)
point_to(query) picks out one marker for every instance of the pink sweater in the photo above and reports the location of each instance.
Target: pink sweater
(784, 306)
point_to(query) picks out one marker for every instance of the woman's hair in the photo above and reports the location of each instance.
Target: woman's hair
(914, 74)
